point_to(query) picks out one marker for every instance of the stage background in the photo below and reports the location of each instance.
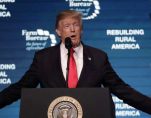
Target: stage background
(122, 28)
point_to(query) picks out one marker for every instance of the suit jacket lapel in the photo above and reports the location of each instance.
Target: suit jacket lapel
(59, 74)
(87, 66)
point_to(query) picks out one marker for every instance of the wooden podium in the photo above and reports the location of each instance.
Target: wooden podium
(66, 103)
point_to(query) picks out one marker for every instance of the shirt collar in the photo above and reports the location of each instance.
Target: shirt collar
(63, 49)
(77, 50)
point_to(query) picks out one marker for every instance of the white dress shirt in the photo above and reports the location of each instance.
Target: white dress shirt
(78, 56)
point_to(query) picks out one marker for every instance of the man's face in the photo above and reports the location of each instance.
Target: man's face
(70, 27)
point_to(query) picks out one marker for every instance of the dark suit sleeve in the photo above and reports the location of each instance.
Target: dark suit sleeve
(122, 90)
(29, 80)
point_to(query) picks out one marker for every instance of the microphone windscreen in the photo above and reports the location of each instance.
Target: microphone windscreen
(68, 43)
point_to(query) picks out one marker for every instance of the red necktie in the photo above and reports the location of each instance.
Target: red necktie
(72, 77)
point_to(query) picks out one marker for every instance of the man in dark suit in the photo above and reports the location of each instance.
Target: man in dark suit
(93, 68)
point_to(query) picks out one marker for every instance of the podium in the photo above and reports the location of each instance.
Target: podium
(66, 103)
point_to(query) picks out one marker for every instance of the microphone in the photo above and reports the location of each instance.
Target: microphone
(68, 43)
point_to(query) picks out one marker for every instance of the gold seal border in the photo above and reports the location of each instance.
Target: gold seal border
(64, 99)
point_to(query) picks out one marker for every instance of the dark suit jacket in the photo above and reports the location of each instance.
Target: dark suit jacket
(97, 71)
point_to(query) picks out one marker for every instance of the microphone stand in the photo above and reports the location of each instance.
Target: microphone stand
(67, 72)
(68, 45)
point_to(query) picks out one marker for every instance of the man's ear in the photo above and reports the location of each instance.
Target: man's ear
(58, 32)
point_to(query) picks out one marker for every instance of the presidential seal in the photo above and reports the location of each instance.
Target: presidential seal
(65, 107)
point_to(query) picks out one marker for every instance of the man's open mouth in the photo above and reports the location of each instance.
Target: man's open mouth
(72, 36)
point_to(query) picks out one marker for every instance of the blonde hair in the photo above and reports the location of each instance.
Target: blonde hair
(68, 13)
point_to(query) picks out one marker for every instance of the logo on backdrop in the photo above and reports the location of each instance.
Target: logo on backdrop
(39, 39)
(125, 39)
(89, 8)
(4, 11)
(123, 109)
(65, 107)
(4, 73)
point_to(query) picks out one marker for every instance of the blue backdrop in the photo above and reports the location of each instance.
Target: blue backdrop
(122, 28)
